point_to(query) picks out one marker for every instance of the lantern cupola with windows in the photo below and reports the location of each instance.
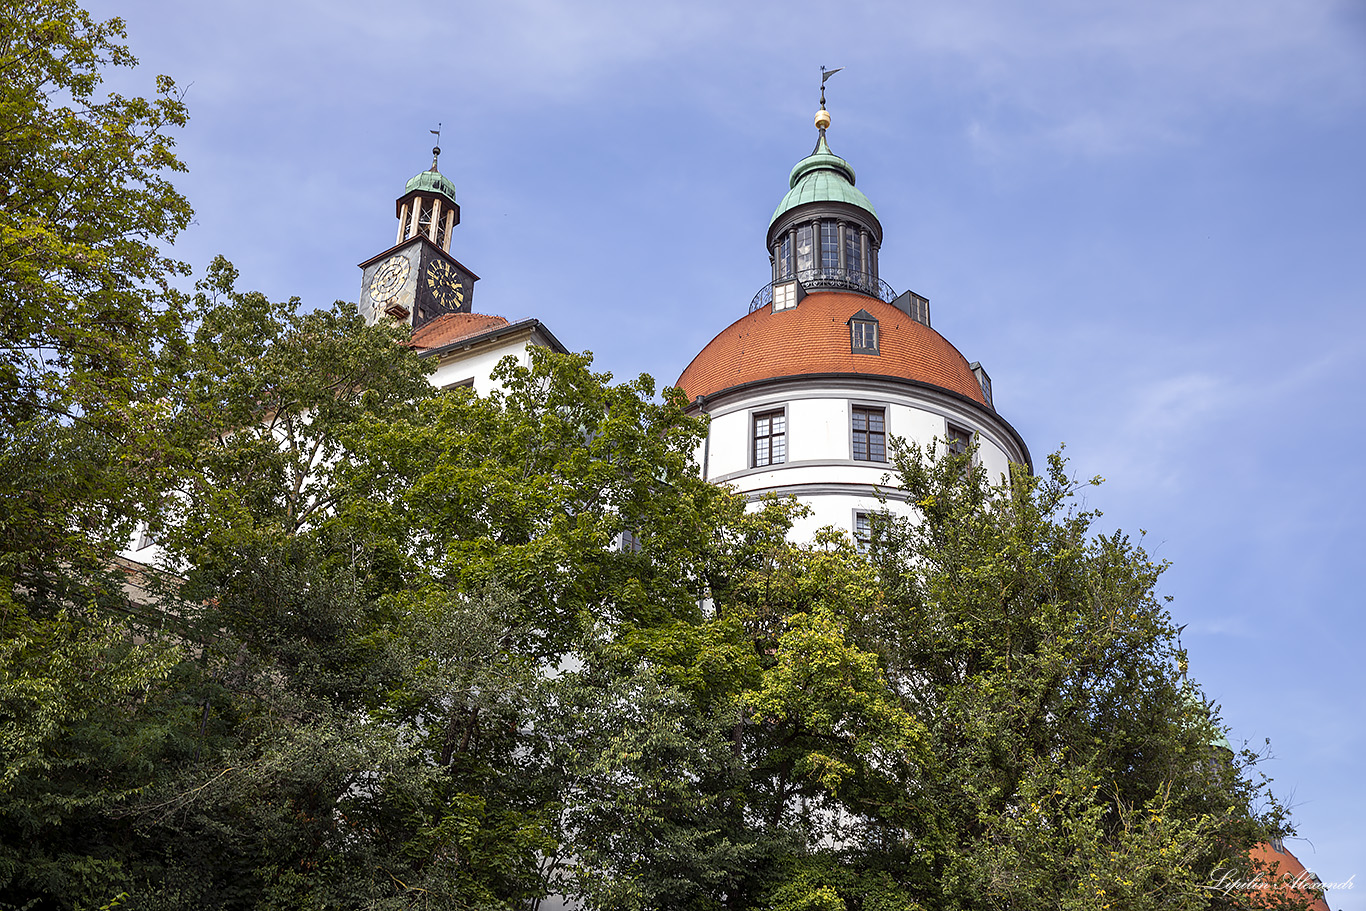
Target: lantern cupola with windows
(825, 233)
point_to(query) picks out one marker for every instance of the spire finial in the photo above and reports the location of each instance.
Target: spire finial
(436, 149)
(823, 116)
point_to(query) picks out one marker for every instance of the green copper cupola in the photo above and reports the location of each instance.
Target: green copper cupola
(428, 207)
(825, 231)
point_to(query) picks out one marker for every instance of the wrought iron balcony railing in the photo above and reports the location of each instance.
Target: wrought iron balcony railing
(836, 279)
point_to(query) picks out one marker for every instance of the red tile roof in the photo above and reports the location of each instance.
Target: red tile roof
(813, 337)
(452, 327)
(1291, 877)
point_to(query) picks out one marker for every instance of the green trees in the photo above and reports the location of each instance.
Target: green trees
(986, 712)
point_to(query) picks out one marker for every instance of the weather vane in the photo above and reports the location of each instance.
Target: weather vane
(826, 74)
(436, 150)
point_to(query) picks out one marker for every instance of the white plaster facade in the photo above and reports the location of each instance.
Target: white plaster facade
(471, 361)
(819, 466)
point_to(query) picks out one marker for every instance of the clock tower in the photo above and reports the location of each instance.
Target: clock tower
(417, 279)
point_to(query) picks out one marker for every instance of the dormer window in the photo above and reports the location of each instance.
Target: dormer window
(784, 296)
(863, 333)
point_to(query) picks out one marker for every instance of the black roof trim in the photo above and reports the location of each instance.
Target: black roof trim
(494, 334)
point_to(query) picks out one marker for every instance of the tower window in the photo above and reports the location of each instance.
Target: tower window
(853, 260)
(785, 257)
(870, 434)
(407, 221)
(830, 245)
(628, 542)
(770, 438)
(805, 249)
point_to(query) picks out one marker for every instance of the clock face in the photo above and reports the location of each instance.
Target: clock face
(444, 283)
(389, 279)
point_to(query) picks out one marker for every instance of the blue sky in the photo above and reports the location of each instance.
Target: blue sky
(1145, 219)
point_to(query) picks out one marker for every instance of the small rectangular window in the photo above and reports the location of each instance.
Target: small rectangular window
(770, 438)
(870, 434)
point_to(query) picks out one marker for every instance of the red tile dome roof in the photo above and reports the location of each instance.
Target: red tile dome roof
(813, 337)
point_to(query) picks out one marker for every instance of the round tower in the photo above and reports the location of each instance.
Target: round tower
(806, 391)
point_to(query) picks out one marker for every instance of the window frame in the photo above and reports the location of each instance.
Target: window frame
(867, 410)
(767, 413)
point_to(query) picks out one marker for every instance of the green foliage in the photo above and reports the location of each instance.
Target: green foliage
(84, 201)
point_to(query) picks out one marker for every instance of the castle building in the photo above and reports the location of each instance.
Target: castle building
(806, 392)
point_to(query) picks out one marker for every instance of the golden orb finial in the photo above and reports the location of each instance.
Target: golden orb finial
(822, 119)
